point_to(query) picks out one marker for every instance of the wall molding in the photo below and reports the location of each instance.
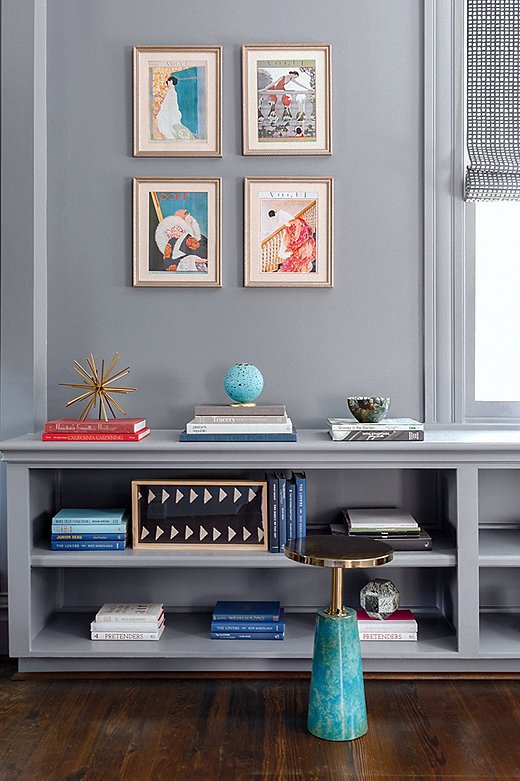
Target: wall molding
(444, 211)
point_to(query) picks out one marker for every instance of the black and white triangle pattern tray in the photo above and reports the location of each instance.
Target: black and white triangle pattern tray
(201, 514)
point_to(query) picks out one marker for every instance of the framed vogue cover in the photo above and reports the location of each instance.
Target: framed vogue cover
(177, 101)
(177, 232)
(288, 231)
(286, 99)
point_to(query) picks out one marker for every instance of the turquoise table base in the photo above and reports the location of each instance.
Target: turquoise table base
(337, 708)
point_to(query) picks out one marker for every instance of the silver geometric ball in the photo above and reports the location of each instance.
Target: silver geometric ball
(379, 598)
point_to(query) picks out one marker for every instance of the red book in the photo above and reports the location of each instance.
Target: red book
(121, 425)
(99, 436)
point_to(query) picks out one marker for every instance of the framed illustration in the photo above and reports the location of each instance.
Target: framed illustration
(177, 232)
(177, 101)
(286, 99)
(199, 515)
(288, 231)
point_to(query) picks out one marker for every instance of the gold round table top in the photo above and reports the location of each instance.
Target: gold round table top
(337, 550)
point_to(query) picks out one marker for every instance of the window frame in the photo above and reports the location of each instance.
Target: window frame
(449, 233)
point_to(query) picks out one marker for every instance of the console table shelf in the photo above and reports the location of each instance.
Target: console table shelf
(463, 485)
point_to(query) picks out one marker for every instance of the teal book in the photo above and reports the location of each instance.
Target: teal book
(88, 515)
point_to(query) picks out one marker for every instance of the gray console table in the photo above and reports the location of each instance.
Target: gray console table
(463, 485)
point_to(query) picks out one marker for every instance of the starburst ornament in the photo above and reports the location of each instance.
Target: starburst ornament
(98, 387)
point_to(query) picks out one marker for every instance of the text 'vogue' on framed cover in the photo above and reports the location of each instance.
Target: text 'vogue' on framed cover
(288, 231)
(199, 514)
(286, 99)
(177, 101)
(177, 232)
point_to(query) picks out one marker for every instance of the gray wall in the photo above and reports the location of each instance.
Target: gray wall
(314, 347)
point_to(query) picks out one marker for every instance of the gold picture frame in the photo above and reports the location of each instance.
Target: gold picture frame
(217, 515)
(177, 95)
(288, 231)
(177, 232)
(286, 99)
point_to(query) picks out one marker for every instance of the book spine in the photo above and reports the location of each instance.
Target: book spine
(301, 504)
(282, 506)
(232, 437)
(106, 626)
(395, 627)
(248, 420)
(273, 511)
(387, 636)
(243, 626)
(291, 510)
(243, 617)
(95, 437)
(377, 436)
(375, 426)
(117, 620)
(247, 635)
(239, 428)
(89, 528)
(125, 635)
(270, 409)
(93, 426)
(86, 537)
(112, 545)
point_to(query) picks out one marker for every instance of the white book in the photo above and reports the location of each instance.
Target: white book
(396, 424)
(384, 636)
(239, 428)
(125, 612)
(381, 627)
(126, 635)
(130, 626)
(380, 518)
(245, 419)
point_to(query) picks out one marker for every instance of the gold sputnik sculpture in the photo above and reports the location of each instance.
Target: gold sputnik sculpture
(98, 387)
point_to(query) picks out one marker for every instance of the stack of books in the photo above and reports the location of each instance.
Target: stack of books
(239, 423)
(388, 524)
(397, 429)
(127, 621)
(248, 621)
(287, 508)
(401, 625)
(117, 430)
(89, 529)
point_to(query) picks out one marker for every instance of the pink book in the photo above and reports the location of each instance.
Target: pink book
(72, 425)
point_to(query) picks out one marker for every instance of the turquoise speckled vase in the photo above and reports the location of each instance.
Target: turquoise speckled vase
(337, 708)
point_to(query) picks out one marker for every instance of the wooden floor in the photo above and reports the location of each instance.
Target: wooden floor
(242, 730)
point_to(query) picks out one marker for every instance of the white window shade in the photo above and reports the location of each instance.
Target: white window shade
(493, 100)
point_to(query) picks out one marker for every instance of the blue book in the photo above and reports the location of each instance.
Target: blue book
(86, 537)
(246, 611)
(184, 437)
(250, 626)
(291, 508)
(89, 528)
(247, 635)
(282, 505)
(301, 503)
(82, 515)
(273, 512)
(110, 545)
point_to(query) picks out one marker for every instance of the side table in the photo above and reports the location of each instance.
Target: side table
(337, 707)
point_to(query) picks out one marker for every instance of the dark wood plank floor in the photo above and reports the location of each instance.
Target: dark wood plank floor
(251, 730)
